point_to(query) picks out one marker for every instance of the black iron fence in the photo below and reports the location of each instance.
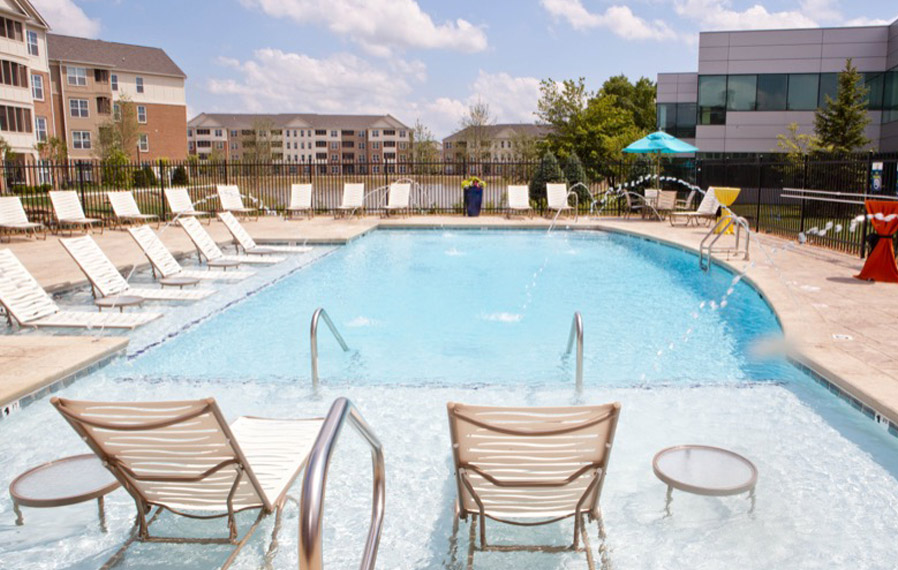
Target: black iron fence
(765, 200)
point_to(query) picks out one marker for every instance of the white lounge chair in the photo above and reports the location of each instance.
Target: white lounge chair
(300, 200)
(353, 200)
(183, 457)
(231, 201)
(26, 303)
(707, 211)
(208, 249)
(519, 200)
(125, 209)
(14, 219)
(243, 240)
(556, 198)
(531, 466)
(180, 205)
(165, 265)
(68, 211)
(106, 281)
(398, 198)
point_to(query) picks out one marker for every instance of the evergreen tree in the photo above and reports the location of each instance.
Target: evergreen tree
(574, 173)
(840, 123)
(179, 177)
(547, 171)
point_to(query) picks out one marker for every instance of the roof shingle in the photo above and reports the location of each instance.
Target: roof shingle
(125, 57)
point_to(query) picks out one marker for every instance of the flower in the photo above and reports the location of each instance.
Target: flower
(473, 182)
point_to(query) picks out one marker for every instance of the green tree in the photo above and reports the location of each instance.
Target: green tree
(574, 173)
(257, 143)
(144, 177)
(547, 171)
(840, 123)
(475, 127)
(119, 133)
(179, 176)
(53, 149)
(115, 169)
(425, 150)
(638, 99)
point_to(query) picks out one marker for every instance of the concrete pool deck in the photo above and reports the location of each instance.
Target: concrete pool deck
(844, 329)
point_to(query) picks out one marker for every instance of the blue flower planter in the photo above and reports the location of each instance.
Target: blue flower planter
(473, 201)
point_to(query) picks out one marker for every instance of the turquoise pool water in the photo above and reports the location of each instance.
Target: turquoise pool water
(483, 317)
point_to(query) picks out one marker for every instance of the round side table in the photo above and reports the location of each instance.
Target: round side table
(178, 281)
(705, 470)
(224, 264)
(118, 302)
(260, 250)
(63, 482)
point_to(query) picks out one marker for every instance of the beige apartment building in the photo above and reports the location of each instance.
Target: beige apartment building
(88, 78)
(329, 144)
(496, 143)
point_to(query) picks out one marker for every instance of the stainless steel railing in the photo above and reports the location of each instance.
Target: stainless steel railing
(719, 229)
(577, 332)
(319, 314)
(315, 481)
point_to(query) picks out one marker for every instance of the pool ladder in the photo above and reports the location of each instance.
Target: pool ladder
(320, 313)
(720, 228)
(577, 332)
(315, 480)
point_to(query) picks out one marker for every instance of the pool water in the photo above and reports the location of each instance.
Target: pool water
(483, 317)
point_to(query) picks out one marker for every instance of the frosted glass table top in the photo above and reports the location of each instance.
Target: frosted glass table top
(705, 470)
(63, 482)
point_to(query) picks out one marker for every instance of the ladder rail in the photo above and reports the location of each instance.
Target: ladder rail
(319, 314)
(315, 482)
(577, 333)
(718, 230)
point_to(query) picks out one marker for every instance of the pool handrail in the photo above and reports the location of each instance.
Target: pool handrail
(577, 330)
(321, 313)
(721, 227)
(315, 481)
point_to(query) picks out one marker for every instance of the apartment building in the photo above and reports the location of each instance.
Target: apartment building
(90, 78)
(751, 84)
(25, 110)
(498, 143)
(331, 144)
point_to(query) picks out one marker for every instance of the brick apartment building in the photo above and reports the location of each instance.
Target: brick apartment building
(88, 79)
(332, 144)
(499, 143)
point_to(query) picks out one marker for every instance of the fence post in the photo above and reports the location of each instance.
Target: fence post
(867, 185)
(758, 212)
(79, 165)
(804, 180)
(161, 189)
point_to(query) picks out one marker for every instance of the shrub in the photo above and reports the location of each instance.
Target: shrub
(547, 171)
(179, 177)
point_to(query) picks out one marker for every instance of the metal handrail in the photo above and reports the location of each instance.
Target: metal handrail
(717, 232)
(315, 481)
(577, 331)
(313, 337)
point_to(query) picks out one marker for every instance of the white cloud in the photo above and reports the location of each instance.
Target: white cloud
(65, 17)
(379, 26)
(619, 20)
(274, 81)
(719, 15)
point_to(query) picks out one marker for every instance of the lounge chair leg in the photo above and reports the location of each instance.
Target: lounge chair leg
(472, 537)
(239, 546)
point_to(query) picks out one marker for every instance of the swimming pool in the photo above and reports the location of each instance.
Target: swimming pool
(483, 317)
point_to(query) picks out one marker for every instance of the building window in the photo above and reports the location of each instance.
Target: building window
(142, 116)
(334, 145)
(201, 132)
(117, 115)
(375, 133)
(219, 145)
(104, 105)
(233, 146)
(139, 82)
(773, 90)
(14, 74)
(113, 80)
(803, 89)
(361, 146)
(189, 131)
(11, 29)
(890, 96)
(389, 133)
(335, 157)
(32, 43)
(203, 144)
(233, 133)
(320, 133)
(101, 75)
(742, 91)
(333, 133)
(402, 134)
(76, 76)
(40, 129)
(37, 87)
(143, 142)
(15, 119)
(219, 133)
(375, 145)
(712, 99)
(375, 170)
(829, 85)
(78, 108)
(677, 119)
(81, 139)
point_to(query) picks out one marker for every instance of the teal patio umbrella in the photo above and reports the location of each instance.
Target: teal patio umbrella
(659, 143)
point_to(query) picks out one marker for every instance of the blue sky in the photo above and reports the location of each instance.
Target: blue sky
(424, 59)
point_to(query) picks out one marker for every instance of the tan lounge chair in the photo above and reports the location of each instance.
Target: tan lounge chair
(707, 211)
(519, 200)
(207, 249)
(26, 303)
(398, 198)
(125, 209)
(666, 203)
(231, 201)
(531, 466)
(69, 213)
(14, 219)
(106, 281)
(556, 199)
(164, 264)
(183, 457)
(243, 240)
(353, 200)
(300, 200)
(180, 205)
